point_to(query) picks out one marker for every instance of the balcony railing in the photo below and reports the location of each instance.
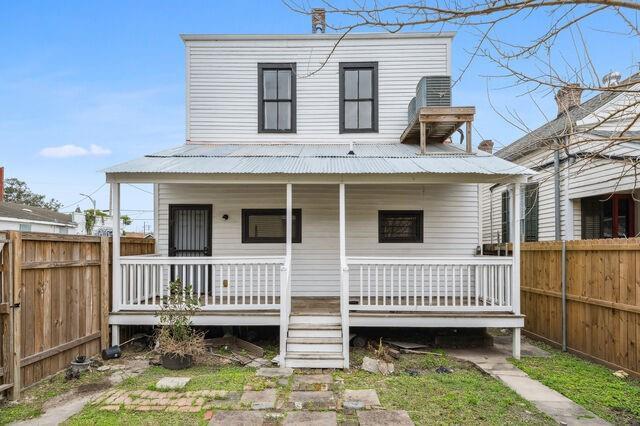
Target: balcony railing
(220, 283)
(482, 283)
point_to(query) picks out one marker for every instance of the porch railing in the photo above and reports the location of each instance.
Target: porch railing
(461, 284)
(220, 283)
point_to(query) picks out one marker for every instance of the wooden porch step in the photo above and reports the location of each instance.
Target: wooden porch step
(314, 360)
(315, 340)
(315, 319)
(308, 326)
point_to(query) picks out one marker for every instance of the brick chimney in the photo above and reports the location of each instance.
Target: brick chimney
(318, 20)
(486, 146)
(1, 184)
(568, 97)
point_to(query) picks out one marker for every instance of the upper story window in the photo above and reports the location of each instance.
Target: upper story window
(277, 98)
(358, 97)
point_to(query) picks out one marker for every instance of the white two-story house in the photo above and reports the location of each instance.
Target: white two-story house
(307, 197)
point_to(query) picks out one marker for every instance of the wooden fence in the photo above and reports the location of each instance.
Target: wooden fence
(602, 298)
(55, 302)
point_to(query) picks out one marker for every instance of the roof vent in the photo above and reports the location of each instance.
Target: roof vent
(351, 152)
(318, 20)
(27, 210)
(611, 79)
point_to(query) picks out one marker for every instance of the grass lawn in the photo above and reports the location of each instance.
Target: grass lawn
(590, 385)
(32, 399)
(465, 396)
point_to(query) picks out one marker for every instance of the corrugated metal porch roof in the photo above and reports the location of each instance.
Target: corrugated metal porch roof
(302, 158)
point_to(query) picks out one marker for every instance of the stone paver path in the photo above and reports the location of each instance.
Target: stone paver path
(313, 400)
(384, 418)
(363, 398)
(311, 418)
(172, 383)
(237, 418)
(555, 405)
(260, 400)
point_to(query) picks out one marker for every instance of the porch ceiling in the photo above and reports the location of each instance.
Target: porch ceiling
(319, 159)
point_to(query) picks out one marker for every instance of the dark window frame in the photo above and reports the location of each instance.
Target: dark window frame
(373, 66)
(208, 208)
(296, 238)
(418, 238)
(505, 222)
(269, 66)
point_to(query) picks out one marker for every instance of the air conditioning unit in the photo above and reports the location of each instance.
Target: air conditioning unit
(433, 90)
(411, 111)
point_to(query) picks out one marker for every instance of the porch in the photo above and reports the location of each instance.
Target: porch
(336, 268)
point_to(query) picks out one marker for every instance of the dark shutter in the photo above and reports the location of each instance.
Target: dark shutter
(531, 212)
(506, 215)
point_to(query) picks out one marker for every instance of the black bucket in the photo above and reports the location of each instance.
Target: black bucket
(176, 362)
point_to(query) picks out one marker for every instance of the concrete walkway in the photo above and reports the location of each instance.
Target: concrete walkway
(67, 405)
(494, 362)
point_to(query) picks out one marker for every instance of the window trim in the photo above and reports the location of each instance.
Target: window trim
(419, 238)
(374, 93)
(297, 228)
(268, 66)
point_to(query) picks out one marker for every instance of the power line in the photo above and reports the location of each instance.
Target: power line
(83, 198)
(140, 189)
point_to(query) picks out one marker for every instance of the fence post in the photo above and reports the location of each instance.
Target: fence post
(564, 295)
(16, 276)
(104, 292)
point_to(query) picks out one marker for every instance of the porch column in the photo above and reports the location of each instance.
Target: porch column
(289, 214)
(516, 266)
(344, 277)
(116, 281)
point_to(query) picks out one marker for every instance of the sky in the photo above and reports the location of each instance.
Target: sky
(88, 84)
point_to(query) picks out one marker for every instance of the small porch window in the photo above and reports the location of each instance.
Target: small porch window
(270, 225)
(277, 98)
(400, 226)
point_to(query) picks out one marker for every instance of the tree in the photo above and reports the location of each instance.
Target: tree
(535, 62)
(17, 191)
(126, 220)
(90, 217)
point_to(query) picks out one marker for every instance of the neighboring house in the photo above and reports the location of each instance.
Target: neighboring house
(587, 182)
(306, 198)
(103, 225)
(20, 217)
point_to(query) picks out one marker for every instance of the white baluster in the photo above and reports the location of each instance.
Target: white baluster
(384, 285)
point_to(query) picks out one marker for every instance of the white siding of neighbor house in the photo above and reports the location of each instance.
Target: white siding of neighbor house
(450, 223)
(14, 225)
(222, 84)
(587, 178)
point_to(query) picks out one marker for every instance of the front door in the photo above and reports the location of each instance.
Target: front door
(190, 236)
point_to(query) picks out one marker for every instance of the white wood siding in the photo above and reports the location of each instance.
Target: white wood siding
(222, 80)
(450, 223)
(587, 178)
